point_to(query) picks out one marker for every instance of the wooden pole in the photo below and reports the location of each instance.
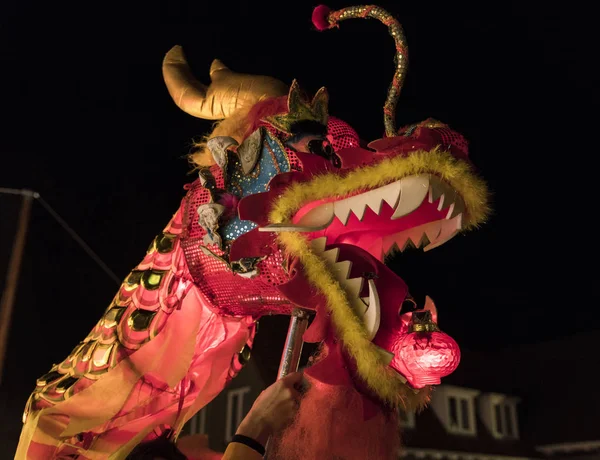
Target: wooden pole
(12, 274)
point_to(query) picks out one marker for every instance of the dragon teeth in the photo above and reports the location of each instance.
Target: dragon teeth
(318, 245)
(413, 191)
(353, 286)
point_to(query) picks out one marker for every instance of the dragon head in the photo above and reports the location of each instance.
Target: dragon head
(291, 209)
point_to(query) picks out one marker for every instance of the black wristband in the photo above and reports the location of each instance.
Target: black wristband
(252, 443)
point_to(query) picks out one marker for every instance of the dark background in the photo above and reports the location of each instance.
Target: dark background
(88, 123)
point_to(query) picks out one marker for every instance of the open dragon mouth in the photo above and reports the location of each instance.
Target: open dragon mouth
(341, 227)
(419, 211)
(421, 200)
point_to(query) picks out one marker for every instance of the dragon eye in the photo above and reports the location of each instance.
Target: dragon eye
(323, 148)
(317, 146)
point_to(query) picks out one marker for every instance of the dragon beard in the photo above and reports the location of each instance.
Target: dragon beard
(330, 423)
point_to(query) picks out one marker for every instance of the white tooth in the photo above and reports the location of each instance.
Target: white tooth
(318, 245)
(449, 198)
(331, 256)
(353, 286)
(441, 203)
(359, 207)
(457, 208)
(450, 229)
(436, 188)
(372, 316)
(358, 306)
(388, 244)
(399, 240)
(365, 300)
(374, 199)
(413, 241)
(450, 210)
(414, 189)
(342, 210)
(404, 242)
(414, 235)
(321, 216)
(433, 230)
(341, 270)
(390, 193)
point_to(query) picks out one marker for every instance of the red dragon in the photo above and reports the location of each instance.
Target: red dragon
(290, 210)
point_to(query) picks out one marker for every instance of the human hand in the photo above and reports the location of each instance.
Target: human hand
(274, 408)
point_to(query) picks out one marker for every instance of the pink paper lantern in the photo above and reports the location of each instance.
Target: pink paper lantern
(426, 354)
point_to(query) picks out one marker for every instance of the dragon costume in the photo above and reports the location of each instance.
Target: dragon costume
(290, 210)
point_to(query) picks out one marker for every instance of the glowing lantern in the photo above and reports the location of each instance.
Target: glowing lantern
(426, 354)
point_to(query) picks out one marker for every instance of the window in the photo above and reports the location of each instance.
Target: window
(459, 414)
(198, 422)
(505, 419)
(465, 414)
(498, 418)
(235, 411)
(455, 408)
(508, 419)
(499, 414)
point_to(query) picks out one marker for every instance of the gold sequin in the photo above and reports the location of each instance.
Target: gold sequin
(163, 243)
(151, 279)
(48, 378)
(395, 30)
(140, 320)
(65, 384)
(244, 355)
(113, 316)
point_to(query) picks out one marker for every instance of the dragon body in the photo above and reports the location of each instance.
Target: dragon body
(290, 210)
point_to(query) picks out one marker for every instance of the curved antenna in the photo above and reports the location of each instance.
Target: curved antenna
(323, 19)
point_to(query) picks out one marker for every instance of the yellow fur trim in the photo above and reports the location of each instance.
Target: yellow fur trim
(457, 173)
(378, 376)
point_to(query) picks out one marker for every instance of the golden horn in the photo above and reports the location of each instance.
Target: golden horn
(228, 92)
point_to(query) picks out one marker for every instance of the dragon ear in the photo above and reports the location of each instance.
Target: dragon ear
(294, 96)
(320, 105)
(430, 306)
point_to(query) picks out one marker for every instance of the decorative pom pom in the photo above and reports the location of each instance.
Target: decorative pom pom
(319, 17)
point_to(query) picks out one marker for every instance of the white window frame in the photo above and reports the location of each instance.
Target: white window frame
(235, 411)
(459, 428)
(198, 422)
(487, 409)
(440, 403)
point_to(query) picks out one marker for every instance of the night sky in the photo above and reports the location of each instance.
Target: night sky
(88, 123)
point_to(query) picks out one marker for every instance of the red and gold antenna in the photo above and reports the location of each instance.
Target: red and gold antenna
(323, 18)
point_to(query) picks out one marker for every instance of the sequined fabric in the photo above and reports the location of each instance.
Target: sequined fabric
(228, 292)
(273, 160)
(342, 134)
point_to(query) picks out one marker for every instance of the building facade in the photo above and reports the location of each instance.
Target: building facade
(502, 406)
